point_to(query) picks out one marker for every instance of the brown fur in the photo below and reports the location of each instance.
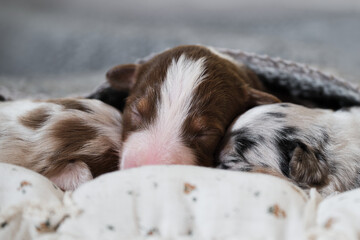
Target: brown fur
(36, 118)
(51, 135)
(306, 169)
(225, 92)
(127, 74)
(70, 104)
(71, 136)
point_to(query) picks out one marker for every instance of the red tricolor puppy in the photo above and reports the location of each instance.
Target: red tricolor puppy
(180, 104)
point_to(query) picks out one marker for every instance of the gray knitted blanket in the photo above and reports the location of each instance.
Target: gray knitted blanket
(295, 82)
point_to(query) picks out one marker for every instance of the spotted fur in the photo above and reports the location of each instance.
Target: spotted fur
(311, 147)
(68, 140)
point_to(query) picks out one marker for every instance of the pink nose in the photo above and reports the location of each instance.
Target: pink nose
(152, 157)
(144, 149)
(141, 160)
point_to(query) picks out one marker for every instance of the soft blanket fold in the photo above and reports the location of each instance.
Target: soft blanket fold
(172, 202)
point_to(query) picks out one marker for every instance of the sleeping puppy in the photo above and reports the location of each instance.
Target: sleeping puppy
(180, 104)
(311, 147)
(68, 140)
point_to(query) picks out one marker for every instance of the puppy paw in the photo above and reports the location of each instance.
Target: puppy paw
(72, 176)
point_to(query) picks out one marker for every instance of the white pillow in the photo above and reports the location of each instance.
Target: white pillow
(29, 203)
(186, 202)
(172, 203)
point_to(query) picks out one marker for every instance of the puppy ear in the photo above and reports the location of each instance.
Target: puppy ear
(306, 169)
(257, 97)
(122, 77)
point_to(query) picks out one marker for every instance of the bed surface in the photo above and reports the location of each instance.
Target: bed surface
(172, 202)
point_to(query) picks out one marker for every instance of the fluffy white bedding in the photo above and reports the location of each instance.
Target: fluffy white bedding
(172, 202)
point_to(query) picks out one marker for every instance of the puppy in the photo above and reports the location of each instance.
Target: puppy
(311, 147)
(180, 103)
(69, 140)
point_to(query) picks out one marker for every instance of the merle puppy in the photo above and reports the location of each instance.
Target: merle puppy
(68, 140)
(311, 147)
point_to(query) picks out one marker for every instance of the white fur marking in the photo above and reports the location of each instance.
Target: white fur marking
(176, 97)
(182, 78)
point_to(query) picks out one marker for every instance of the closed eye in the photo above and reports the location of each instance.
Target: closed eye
(208, 138)
(209, 133)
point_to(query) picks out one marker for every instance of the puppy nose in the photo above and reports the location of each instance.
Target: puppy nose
(144, 158)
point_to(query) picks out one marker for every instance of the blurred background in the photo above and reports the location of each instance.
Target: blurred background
(64, 47)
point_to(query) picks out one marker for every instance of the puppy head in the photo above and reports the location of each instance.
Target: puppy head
(180, 104)
(284, 139)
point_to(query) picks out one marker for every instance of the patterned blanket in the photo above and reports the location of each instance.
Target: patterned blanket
(172, 202)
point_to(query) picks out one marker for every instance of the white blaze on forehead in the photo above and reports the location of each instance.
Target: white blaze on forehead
(177, 92)
(176, 96)
(162, 139)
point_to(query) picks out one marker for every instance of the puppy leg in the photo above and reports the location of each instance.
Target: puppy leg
(72, 176)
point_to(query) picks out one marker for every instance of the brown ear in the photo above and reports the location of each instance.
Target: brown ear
(257, 97)
(306, 168)
(122, 77)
